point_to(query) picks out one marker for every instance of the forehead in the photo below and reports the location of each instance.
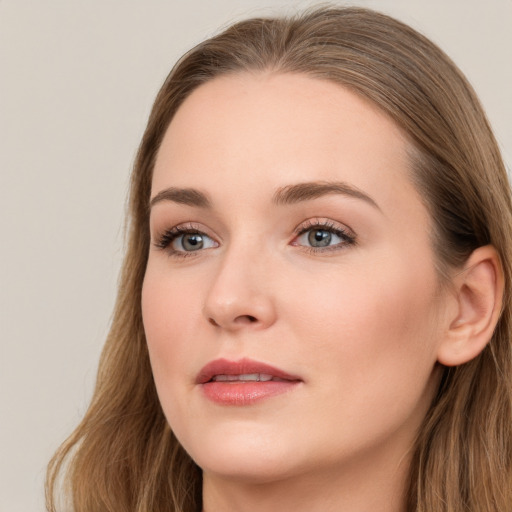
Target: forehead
(254, 131)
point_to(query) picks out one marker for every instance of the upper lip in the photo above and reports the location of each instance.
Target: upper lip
(240, 367)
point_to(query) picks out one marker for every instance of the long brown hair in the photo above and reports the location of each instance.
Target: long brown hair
(124, 457)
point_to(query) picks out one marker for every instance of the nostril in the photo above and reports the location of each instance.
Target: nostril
(239, 320)
(246, 319)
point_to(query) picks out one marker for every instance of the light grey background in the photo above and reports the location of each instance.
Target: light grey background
(77, 80)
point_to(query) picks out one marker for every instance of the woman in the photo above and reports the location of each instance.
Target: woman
(314, 308)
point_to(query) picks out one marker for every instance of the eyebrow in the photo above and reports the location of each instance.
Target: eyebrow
(187, 196)
(290, 194)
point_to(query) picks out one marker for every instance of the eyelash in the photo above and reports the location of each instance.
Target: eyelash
(347, 236)
(166, 239)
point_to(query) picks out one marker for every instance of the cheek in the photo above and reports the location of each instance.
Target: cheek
(370, 305)
(169, 316)
(373, 334)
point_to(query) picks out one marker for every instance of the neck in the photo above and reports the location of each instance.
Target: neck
(357, 487)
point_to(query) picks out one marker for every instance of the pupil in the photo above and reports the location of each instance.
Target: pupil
(192, 242)
(320, 238)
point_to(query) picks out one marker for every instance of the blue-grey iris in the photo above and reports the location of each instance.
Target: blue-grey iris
(192, 242)
(319, 238)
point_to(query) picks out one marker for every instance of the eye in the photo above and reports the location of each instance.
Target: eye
(320, 238)
(323, 236)
(182, 240)
(192, 242)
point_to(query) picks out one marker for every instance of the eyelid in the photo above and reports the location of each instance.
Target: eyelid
(343, 231)
(164, 238)
(323, 222)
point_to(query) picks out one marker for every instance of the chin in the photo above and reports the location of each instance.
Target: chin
(244, 456)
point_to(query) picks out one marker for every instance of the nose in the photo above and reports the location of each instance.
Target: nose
(240, 295)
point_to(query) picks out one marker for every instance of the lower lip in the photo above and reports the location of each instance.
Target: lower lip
(245, 393)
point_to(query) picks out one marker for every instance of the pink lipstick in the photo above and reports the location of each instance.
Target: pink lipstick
(243, 382)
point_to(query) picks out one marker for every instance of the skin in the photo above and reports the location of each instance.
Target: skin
(361, 323)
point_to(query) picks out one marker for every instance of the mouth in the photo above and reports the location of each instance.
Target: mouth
(246, 377)
(243, 382)
(243, 370)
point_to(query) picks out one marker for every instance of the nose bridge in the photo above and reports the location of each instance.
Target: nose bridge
(239, 294)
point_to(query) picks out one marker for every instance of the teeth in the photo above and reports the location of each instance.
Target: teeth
(254, 377)
(249, 376)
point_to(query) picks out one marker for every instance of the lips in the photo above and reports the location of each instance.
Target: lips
(221, 367)
(243, 382)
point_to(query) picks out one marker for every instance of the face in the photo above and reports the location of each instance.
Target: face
(290, 302)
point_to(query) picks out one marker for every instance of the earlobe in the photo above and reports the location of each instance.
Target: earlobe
(478, 295)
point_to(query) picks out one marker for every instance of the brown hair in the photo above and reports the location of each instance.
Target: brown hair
(124, 457)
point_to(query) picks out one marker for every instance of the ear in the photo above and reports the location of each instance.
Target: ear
(478, 295)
